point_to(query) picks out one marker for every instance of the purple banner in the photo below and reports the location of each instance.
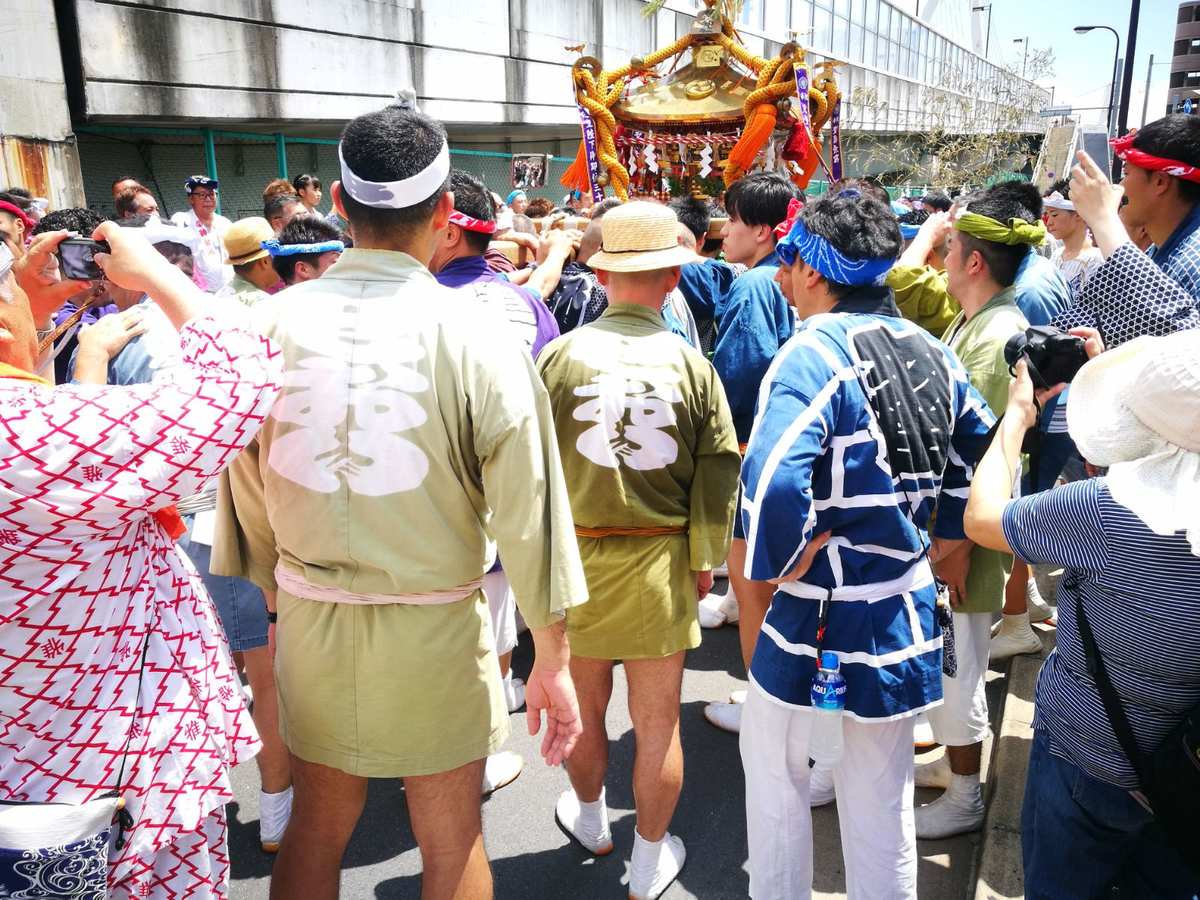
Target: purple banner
(593, 159)
(835, 140)
(802, 96)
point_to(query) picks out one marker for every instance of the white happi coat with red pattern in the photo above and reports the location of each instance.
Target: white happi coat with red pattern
(86, 572)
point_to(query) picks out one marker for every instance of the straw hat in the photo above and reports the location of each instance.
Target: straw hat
(243, 240)
(639, 237)
(1136, 409)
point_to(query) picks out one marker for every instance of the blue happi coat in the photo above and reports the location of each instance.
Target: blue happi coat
(753, 321)
(864, 424)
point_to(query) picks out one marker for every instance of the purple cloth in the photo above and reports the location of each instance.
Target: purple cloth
(89, 318)
(469, 271)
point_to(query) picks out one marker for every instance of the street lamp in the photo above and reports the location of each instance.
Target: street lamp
(1112, 95)
(1025, 58)
(987, 41)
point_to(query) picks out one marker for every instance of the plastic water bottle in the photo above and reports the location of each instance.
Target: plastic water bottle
(828, 697)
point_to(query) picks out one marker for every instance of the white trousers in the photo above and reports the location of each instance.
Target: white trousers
(502, 606)
(962, 719)
(874, 784)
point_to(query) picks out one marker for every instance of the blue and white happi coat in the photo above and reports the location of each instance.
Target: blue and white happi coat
(864, 424)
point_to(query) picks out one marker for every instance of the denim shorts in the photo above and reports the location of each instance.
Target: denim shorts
(240, 604)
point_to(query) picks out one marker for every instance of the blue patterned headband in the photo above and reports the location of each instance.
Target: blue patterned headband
(277, 249)
(828, 260)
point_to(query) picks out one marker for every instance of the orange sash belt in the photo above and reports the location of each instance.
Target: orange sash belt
(742, 448)
(620, 531)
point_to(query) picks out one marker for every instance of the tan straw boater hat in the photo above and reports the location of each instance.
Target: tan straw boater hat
(243, 240)
(1136, 409)
(639, 237)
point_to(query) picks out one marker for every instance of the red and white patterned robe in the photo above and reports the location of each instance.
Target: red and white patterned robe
(85, 570)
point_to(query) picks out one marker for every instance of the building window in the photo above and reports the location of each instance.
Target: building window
(752, 14)
(822, 28)
(856, 43)
(1185, 14)
(841, 29)
(802, 18)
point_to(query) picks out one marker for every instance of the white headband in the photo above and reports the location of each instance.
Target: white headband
(397, 194)
(1058, 201)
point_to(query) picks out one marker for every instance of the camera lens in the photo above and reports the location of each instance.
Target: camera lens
(1014, 348)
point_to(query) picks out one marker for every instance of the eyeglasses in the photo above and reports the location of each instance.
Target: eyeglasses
(204, 195)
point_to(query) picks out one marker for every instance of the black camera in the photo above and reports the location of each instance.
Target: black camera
(1052, 355)
(76, 258)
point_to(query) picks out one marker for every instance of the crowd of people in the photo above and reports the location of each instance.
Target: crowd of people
(843, 403)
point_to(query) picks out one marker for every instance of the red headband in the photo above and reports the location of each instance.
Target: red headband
(1123, 147)
(464, 221)
(794, 209)
(7, 207)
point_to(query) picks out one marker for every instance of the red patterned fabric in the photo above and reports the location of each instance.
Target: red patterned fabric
(194, 866)
(85, 570)
(1123, 147)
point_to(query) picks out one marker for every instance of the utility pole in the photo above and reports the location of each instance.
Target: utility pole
(1135, 11)
(1146, 96)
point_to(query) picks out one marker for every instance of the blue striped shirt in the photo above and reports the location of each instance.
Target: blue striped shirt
(864, 421)
(1141, 592)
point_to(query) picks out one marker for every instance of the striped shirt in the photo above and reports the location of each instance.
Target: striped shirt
(864, 422)
(1140, 593)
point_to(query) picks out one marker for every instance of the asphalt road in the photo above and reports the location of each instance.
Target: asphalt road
(533, 860)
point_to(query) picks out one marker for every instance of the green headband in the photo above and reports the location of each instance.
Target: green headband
(1017, 231)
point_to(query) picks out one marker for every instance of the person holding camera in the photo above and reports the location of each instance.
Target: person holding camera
(113, 666)
(1125, 673)
(989, 242)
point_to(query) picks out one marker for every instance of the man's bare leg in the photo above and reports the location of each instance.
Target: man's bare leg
(273, 764)
(654, 695)
(589, 763)
(444, 810)
(753, 598)
(1014, 592)
(325, 810)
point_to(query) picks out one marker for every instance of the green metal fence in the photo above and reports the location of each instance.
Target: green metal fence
(163, 158)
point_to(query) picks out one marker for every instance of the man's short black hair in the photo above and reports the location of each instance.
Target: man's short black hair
(471, 198)
(760, 199)
(914, 217)
(275, 204)
(1002, 202)
(937, 201)
(869, 185)
(84, 221)
(390, 145)
(1177, 137)
(858, 224)
(608, 203)
(22, 203)
(302, 230)
(693, 213)
(1062, 186)
(121, 178)
(20, 192)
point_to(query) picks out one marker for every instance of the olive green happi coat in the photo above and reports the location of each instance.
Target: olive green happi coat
(647, 441)
(410, 433)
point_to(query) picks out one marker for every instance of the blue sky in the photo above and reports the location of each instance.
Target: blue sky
(1082, 61)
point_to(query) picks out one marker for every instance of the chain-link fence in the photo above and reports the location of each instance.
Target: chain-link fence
(162, 159)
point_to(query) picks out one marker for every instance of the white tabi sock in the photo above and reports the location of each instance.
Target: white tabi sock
(654, 865)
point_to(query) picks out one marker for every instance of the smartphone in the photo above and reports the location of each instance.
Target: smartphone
(76, 258)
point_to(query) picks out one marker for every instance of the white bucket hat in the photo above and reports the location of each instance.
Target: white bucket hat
(639, 237)
(1136, 409)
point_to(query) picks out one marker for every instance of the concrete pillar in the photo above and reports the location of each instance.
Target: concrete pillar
(37, 148)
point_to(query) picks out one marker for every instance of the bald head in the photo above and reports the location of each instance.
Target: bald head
(686, 238)
(591, 241)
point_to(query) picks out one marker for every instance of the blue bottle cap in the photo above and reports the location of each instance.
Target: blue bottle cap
(829, 660)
